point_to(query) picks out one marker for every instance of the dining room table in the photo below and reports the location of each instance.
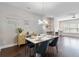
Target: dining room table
(40, 39)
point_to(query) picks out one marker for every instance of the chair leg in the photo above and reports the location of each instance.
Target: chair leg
(53, 52)
(25, 50)
(47, 51)
(19, 45)
(28, 51)
(31, 52)
(57, 48)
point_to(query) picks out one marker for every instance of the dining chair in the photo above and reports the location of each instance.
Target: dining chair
(30, 46)
(21, 39)
(41, 49)
(54, 43)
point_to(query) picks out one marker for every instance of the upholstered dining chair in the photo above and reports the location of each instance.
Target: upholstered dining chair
(54, 43)
(21, 38)
(41, 49)
(30, 48)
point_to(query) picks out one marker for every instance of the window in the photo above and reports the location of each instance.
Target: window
(73, 28)
(70, 26)
(78, 28)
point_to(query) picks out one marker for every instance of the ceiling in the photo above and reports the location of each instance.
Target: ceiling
(55, 9)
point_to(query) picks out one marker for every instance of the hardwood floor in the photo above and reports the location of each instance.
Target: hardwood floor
(67, 47)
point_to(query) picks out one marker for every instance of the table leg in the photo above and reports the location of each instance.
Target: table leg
(35, 50)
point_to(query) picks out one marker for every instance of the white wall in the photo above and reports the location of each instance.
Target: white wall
(10, 19)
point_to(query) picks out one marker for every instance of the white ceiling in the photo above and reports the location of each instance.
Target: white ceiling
(55, 9)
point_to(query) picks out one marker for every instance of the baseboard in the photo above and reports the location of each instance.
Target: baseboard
(6, 46)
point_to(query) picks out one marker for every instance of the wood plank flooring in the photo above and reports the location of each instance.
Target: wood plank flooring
(67, 47)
